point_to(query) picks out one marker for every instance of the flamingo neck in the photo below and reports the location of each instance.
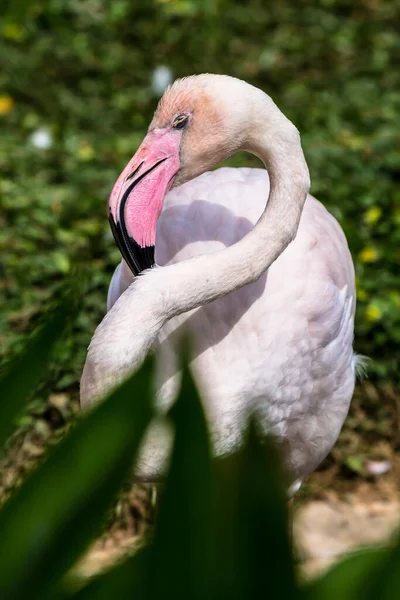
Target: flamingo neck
(128, 331)
(192, 283)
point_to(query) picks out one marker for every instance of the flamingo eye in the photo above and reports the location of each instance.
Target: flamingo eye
(180, 121)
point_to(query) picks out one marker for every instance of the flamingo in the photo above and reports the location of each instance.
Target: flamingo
(245, 262)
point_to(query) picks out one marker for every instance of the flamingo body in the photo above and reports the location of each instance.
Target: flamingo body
(282, 345)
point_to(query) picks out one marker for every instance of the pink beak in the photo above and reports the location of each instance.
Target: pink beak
(137, 198)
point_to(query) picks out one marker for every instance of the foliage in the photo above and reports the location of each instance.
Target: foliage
(222, 528)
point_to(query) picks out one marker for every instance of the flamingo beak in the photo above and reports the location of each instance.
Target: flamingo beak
(137, 197)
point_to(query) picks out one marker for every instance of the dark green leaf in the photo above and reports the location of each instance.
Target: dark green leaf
(253, 550)
(386, 584)
(25, 372)
(179, 557)
(349, 579)
(181, 550)
(55, 514)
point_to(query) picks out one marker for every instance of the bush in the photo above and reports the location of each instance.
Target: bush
(78, 76)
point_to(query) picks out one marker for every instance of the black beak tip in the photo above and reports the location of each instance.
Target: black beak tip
(137, 258)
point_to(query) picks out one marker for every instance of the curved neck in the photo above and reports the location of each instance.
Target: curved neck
(192, 283)
(127, 332)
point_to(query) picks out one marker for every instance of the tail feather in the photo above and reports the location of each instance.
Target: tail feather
(360, 365)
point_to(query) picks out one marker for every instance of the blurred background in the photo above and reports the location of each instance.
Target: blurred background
(79, 81)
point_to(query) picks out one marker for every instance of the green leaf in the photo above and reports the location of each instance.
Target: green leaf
(25, 372)
(178, 561)
(181, 554)
(350, 579)
(56, 513)
(386, 584)
(253, 553)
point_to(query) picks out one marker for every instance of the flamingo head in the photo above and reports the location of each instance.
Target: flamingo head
(192, 130)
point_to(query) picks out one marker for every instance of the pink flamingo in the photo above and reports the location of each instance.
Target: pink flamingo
(251, 266)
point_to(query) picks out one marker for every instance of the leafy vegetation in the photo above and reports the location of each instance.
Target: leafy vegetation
(221, 531)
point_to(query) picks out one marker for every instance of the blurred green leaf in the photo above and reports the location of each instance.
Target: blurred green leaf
(350, 579)
(179, 557)
(181, 551)
(385, 584)
(25, 372)
(52, 518)
(253, 553)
